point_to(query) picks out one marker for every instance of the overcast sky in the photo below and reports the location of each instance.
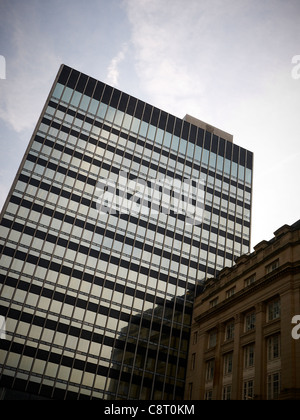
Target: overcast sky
(226, 62)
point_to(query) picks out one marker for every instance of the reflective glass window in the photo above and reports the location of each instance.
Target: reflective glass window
(238, 229)
(234, 169)
(151, 132)
(77, 121)
(85, 102)
(43, 128)
(67, 94)
(143, 128)
(247, 214)
(220, 161)
(198, 153)
(167, 139)
(212, 160)
(50, 110)
(205, 156)
(102, 110)
(182, 146)
(227, 167)
(175, 143)
(135, 125)
(159, 136)
(119, 118)
(218, 183)
(28, 165)
(179, 167)
(93, 106)
(110, 114)
(208, 198)
(69, 119)
(127, 121)
(190, 150)
(248, 175)
(241, 173)
(76, 98)
(58, 90)
(59, 114)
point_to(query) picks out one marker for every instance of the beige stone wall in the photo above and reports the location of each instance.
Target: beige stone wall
(281, 284)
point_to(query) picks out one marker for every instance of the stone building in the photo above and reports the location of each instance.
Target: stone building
(242, 345)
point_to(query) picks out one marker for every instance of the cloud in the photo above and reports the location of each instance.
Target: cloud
(190, 55)
(113, 68)
(30, 70)
(159, 38)
(228, 62)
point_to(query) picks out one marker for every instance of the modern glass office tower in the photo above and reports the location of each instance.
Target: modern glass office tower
(118, 212)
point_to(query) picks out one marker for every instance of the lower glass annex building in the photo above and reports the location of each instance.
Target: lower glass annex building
(96, 296)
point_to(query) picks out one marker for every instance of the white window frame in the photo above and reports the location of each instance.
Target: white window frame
(230, 292)
(210, 370)
(226, 395)
(250, 320)
(273, 346)
(208, 394)
(273, 382)
(229, 331)
(249, 280)
(248, 389)
(274, 309)
(212, 339)
(228, 363)
(273, 266)
(249, 356)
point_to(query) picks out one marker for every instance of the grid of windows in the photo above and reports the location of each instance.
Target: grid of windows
(98, 305)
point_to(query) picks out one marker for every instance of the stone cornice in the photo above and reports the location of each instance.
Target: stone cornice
(283, 271)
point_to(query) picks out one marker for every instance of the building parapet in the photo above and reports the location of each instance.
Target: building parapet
(211, 129)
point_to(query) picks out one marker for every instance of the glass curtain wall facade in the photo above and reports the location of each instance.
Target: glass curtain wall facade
(98, 304)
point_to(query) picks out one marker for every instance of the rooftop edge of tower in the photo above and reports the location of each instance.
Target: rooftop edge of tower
(210, 128)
